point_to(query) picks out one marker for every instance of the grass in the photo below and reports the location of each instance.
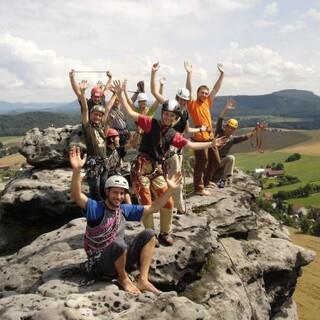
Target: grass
(307, 169)
(311, 146)
(312, 201)
(14, 160)
(11, 139)
(307, 294)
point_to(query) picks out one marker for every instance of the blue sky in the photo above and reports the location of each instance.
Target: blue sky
(265, 46)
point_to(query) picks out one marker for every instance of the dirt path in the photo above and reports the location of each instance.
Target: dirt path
(307, 295)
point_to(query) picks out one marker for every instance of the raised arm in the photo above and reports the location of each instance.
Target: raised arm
(118, 89)
(74, 84)
(188, 68)
(153, 86)
(84, 110)
(230, 105)
(156, 103)
(218, 84)
(108, 84)
(160, 202)
(125, 90)
(76, 164)
(107, 107)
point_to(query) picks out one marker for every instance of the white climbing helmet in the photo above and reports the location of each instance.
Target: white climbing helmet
(183, 93)
(117, 182)
(173, 106)
(142, 97)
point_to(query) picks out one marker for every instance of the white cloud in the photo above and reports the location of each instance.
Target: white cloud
(262, 68)
(299, 25)
(315, 14)
(264, 23)
(271, 9)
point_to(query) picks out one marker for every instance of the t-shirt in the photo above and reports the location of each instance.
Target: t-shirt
(145, 123)
(201, 116)
(95, 140)
(224, 150)
(96, 209)
(116, 119)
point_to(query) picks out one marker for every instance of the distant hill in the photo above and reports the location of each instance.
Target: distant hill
(17, 107)
(285, 103)
(18, 124)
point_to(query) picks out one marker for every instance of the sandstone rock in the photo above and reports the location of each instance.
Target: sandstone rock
(228, 262)
(39, 193)
(49, 148)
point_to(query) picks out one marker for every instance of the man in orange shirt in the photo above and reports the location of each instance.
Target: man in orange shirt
(200, 112)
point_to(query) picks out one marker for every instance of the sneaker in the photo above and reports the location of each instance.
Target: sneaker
(221, 183)
(165, 239)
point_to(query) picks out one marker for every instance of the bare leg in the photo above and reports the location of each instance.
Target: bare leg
(124, 280)
(145, 261)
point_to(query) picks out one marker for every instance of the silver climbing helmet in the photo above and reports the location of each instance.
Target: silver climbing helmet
(172, 106)
(183, 93)
(117, 182)
(98, 108)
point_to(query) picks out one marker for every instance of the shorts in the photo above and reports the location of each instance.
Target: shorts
(104, 267)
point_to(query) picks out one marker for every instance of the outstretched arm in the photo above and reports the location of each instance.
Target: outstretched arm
(153, 86)
(216, 143)
(85, 110)
(118, 89)
(195, 130)
(77, 163)
(107, 86)
(188, 68)
(218, 84)
(230, 105)
(160, 202)
(74, 84)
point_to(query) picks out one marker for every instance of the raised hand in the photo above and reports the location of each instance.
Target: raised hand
(231, 104)
(163, 80)
(75, 158)
(100, 84)
(155, 67)
(219, 142)
(71, 73)
(83, 85)
(188, 66)
(117, 86)
(174, 181)
(109, 75)
(220, 67)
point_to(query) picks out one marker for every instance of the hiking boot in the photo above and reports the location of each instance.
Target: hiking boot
(221, 183)
(165, 239)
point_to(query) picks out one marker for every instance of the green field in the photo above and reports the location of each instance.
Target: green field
(11, 139)
(307, 169)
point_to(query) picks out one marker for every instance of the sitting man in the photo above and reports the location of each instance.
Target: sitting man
(109, 256)
(223, 160)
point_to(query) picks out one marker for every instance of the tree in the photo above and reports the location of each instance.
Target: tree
(305, 225)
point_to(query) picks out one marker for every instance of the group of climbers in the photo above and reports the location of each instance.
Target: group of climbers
(155, 174)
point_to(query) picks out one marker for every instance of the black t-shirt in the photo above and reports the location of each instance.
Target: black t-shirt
(181, 125)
